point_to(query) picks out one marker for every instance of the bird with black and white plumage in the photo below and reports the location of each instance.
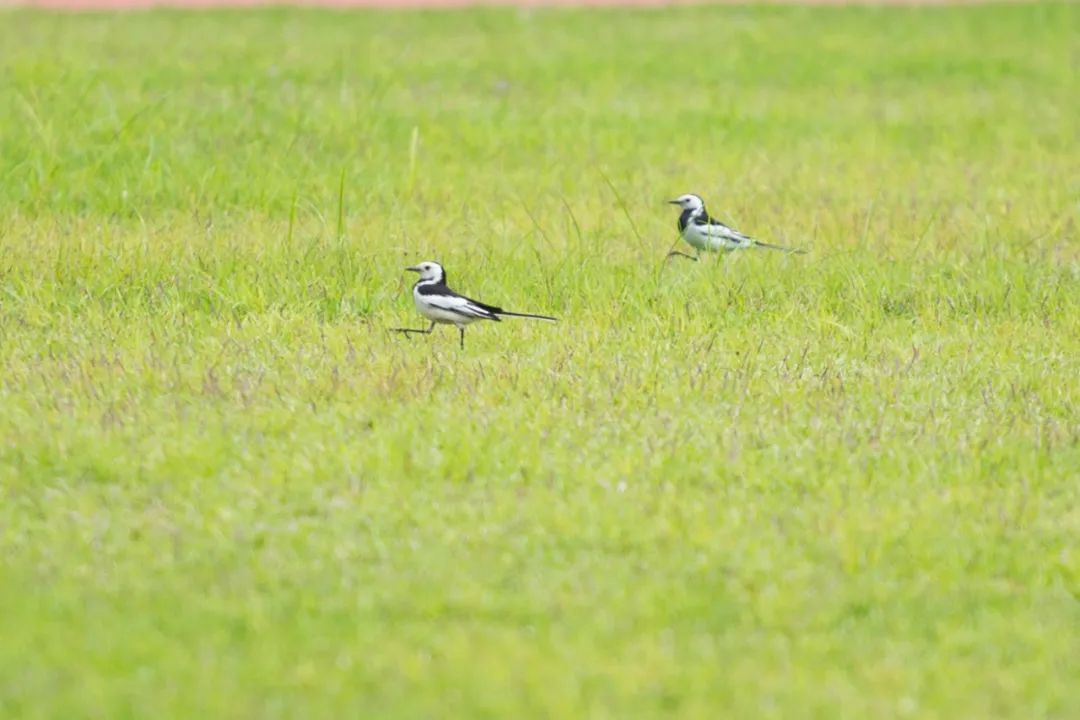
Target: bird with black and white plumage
(438, 303)
(702, 232)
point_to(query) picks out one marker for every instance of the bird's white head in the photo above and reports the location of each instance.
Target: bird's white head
(688, 202)
(429, 270)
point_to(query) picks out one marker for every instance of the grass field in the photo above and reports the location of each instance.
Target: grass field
(839, 485)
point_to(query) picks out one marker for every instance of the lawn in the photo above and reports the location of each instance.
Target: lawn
(844, 484)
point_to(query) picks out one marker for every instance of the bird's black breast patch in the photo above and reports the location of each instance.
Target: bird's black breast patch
(684, 219)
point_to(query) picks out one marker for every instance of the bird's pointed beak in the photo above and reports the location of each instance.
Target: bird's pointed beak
(673, 202)
(414, 268)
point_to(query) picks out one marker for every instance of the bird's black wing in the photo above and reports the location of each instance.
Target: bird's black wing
(706, 219)
(720, 228)
(442, 297)
(483, 306)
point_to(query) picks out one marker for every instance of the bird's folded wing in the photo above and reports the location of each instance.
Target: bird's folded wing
(458, 304)
(720, 230)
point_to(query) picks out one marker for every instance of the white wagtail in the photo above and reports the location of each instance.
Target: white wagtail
(441, 305)
(705, 233)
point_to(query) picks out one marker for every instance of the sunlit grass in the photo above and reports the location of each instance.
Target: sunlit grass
(835, 485)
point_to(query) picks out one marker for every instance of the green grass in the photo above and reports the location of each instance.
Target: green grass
(839, 485)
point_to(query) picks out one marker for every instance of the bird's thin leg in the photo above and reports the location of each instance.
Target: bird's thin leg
(462, 331)
(676, 253)
(408, 331)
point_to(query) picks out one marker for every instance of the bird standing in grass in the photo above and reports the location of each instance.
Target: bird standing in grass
(705, 233)
(441, 305)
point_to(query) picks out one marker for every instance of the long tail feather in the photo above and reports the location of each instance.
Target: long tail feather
(781, 248)
(528, 315)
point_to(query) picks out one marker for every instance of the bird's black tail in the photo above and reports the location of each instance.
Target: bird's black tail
(781, 248)
(528, 315)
